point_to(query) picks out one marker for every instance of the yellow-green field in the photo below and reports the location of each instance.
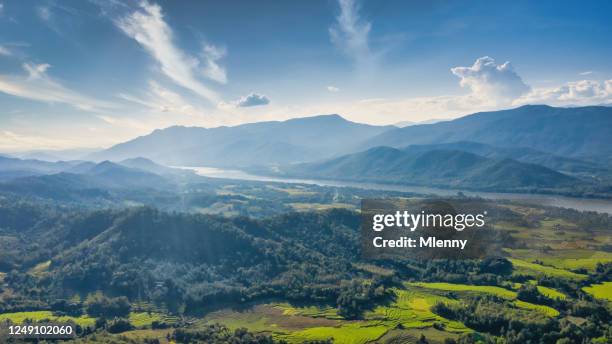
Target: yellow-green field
(551, 293)
(546, 291)
(497, 291)
(410, 310)
(20, 317)
(408, 315)
(534, 269)
(570, 259)
(138, 319)
(601, 291)
(145, 319)
(493, 290)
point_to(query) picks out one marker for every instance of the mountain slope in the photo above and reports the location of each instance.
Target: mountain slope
(583, 132)
(295, 140)
(435, 167)
(521, 154)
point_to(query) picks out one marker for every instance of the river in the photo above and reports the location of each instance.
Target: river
(590, 204)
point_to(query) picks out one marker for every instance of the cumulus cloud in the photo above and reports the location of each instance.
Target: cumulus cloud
(583, 92)
(211, 68)
(350, 33)
(252, 99)
(148, 27)
(333, 89)
(37, 85)
(490, 82)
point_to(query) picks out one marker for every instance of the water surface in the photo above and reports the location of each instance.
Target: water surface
(589, 204)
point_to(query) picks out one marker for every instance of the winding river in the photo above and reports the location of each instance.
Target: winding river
(589, 204)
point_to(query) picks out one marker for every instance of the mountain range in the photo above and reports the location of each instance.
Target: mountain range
(301, 139)
(434, 167)
(530, 148)
(579, 132)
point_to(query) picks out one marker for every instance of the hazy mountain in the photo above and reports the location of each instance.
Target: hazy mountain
(527, 155)
(151, 166)
(55, 154)
(404, 124)
(14, 167)
(294, 140)
(584, 132)
(434, 167)
(84, 180)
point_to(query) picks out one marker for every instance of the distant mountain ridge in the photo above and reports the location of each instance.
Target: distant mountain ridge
(521, 154)
(75, 179)
(434, 167)
(582, 132)
(294, 140)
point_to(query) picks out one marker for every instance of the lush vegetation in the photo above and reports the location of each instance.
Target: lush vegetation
(237, 254)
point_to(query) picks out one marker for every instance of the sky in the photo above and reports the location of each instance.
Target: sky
(95, 73)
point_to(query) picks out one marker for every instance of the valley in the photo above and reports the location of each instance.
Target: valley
(136, 251)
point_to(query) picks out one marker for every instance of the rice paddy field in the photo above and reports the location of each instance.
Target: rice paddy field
(410, 312)
(600, 291)
(20, 317)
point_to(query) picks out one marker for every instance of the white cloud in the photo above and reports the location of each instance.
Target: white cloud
(37, 85)
(588, 72)
(211, 69)
(1, 8)
(490, 82)
(4, 51)
(252, 99)
(583, 92)
(148, 27)
(43, 13)
(162, 99)
(350, 33)
(11, 141)
(333, 89)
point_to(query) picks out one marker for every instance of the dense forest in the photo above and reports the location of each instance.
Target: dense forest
(190, 264)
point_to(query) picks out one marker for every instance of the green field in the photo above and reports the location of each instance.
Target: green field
(493, 290)
(497, 291)
(145, 319)
(601, 291)
(534, 269)
(405, 317)
(570, 259)
(20, 317)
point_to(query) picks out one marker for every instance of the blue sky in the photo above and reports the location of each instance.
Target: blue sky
(94, 73)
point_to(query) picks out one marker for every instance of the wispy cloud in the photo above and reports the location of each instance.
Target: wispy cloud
(4, 51)
(588, 72)
(37, 85)
(11, 141)
(44, 13)
(162, 99)
(211, 68)
(333, 89)
(350, 33)
(148, 27)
